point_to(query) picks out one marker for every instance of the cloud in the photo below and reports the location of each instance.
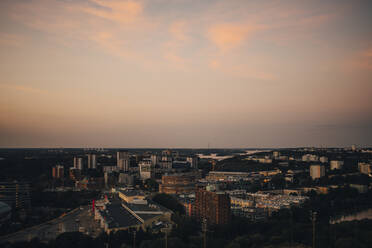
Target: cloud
(123, 12)
(23, 88)
(227, 36)
(13, 40)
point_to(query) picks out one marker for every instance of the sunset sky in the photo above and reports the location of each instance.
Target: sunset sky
(185, 73)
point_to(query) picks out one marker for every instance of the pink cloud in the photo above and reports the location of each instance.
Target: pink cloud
(226, 36)
(115, 10)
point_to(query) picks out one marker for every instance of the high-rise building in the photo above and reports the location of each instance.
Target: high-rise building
(58, 171)
(123, 160)
(15, 194)
(78, 163)
(213, 206)
(166, 162)
(336, 164)
(155, 159)
(146, 169)
(317, 171)
(92, 161)
(193, 161)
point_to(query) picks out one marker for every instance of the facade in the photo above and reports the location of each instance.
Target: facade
(75, 174)
(15, 194)
(317, 171)
(92, 161)
(323, 159)
(166, 162)
(365, 168)
(310, 158)
(177, 183)
(78, 163)
(123, 161)
(193, 161)
(155, 159)
(126, 179)
(147, 170)
(336, 164)
(226, 175)
(58, 171)
(213, 206)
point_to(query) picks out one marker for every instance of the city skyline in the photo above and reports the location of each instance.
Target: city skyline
(185, 74)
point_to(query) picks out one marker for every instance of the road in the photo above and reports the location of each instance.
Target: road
(51, 229)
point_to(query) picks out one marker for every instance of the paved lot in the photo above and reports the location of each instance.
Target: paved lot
(51, 229)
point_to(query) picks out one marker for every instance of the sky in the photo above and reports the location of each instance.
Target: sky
(185, 73)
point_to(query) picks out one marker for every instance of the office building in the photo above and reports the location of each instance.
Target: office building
(147, 170)
(336, 164)
(166, 162)
(155, 159)
(15, 194)
(58, 171)
(92, 161)
(213, 206)
(193, 161)
(178, 183)
(123, 160)
(78, 163)
(317, 171)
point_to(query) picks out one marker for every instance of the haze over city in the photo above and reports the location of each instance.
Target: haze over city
(161, 73)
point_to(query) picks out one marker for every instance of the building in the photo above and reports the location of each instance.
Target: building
(365, 168)
(15, 194)
(123, 161)
(193, 161)
(166, 162)
(213, 206)
(353, 148)
(58, 171)
(310, 158)
(131, 195)
(178, 183)
(276, 154)
(317, 171)
(116, 215)
(336, 164)
(323, 159)
(147, 169)
(126, 179)
(75, 174)
(5, 212)
(155, 159)
(92, 161)
(78, 163)
(227, 175)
